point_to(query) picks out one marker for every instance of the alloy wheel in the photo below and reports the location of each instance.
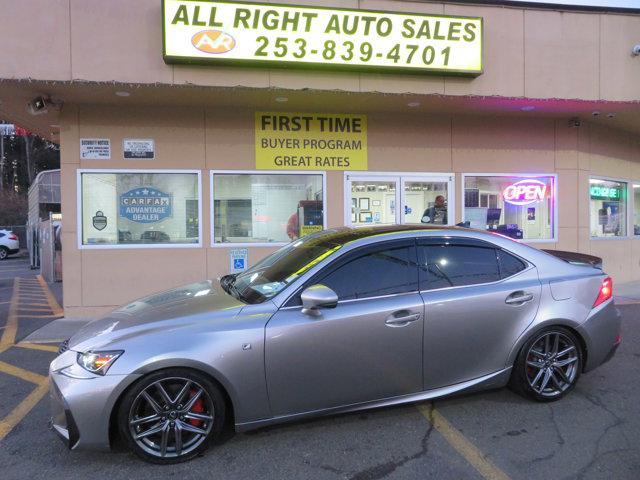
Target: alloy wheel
(552, 364)
(3, 254)
(171, 417)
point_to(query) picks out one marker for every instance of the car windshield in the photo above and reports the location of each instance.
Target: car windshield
(272, 274)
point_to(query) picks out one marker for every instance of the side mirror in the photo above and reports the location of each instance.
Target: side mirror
(316, 297)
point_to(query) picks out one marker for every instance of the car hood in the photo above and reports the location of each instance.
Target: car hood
(172, 310)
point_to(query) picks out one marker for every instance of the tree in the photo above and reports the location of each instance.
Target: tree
(26, 155)
(14, 208)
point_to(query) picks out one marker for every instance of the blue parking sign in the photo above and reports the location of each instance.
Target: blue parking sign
(238, 259)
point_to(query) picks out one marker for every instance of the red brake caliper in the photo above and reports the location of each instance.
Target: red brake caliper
(198, 407)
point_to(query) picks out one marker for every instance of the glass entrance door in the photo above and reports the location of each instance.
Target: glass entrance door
(385, 199)
(373, 201)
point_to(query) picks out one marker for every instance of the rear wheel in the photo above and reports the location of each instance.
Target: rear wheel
(4, 253)
(548, 365)
(171, 416)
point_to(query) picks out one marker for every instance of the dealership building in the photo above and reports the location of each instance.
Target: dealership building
(197, 137)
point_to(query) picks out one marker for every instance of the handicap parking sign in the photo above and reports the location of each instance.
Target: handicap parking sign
(238, 258)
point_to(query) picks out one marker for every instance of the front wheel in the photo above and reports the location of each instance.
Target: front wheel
(171, 416)
(548, 366)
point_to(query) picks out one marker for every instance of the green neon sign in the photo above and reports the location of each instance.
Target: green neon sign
(598, 192)
(213, 32)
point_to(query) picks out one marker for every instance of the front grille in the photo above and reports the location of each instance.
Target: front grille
(64, 346)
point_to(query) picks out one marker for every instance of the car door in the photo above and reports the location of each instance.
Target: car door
(366, 348)
(478, 301)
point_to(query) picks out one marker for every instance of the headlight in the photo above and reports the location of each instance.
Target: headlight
(98, 362)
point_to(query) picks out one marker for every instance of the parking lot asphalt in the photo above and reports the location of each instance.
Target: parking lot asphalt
(593, 433)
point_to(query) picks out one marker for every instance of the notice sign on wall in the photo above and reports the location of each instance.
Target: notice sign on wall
(234, 32)
(310, 141)
(138, 148)
(95, 149)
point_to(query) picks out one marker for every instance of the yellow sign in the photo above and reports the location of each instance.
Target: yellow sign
(307, 229)
(311, 141)
(319, 37)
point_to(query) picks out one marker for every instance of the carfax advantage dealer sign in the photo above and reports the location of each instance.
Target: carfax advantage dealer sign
(289, 35)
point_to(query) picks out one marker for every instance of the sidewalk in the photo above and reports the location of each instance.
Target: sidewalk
(627, 293)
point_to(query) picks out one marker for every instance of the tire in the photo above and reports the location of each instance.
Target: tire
(4, 253)
(175, 427)
(546, 371)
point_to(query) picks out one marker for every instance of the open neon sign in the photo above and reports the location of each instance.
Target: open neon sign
(525, 192)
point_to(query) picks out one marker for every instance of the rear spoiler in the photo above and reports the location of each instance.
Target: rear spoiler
(576, 258)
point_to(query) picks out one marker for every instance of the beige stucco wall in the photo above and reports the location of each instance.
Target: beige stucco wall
(532, 53)
(205, 139)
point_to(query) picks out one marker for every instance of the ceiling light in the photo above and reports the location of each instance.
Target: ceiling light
(611, 115)
(54, 126)
(122, 93)
(413, 104)
(281, 99)
(595, 113)
(528, 108)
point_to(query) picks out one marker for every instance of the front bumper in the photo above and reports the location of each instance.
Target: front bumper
(81, 406)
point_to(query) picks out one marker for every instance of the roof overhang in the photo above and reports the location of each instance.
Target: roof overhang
(16, 94)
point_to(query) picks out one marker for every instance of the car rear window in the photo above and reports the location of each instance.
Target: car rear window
(509, 264)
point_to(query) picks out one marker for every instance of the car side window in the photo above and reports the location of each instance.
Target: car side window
(509, 264)
(1, 235)
(385, 271)
(449, 264)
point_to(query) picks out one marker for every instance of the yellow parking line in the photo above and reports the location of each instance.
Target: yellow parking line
(26, 315)
(11, 327)
(53, 303)
(37, 346)
(23, 408)
(21, 373)
(460, 443)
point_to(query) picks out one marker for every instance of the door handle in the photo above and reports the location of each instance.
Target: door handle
(393, 321)
(518, 298)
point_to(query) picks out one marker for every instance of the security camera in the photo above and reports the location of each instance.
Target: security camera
(574, 122)
(37, 106)
(635, 51)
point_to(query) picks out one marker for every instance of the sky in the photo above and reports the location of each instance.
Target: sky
(591, 3)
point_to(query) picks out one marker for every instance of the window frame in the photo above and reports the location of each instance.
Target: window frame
(629, 210)
(421, 241)
(401, 177)
(214, 244)
(521, 176)
(79, 209)
(632, 210)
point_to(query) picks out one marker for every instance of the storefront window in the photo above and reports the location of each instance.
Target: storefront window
(388, 199)
(608, 205)
(266, 208)
(373, 202)
(636, 209)
(426, 202)
(140, 208)
(518, 207)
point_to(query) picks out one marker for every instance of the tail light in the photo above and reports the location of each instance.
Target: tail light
(13, 237)
(605, 293)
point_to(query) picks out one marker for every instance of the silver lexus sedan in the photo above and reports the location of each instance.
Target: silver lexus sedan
(341, 320)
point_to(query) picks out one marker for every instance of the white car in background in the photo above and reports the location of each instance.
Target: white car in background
(8, 243)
